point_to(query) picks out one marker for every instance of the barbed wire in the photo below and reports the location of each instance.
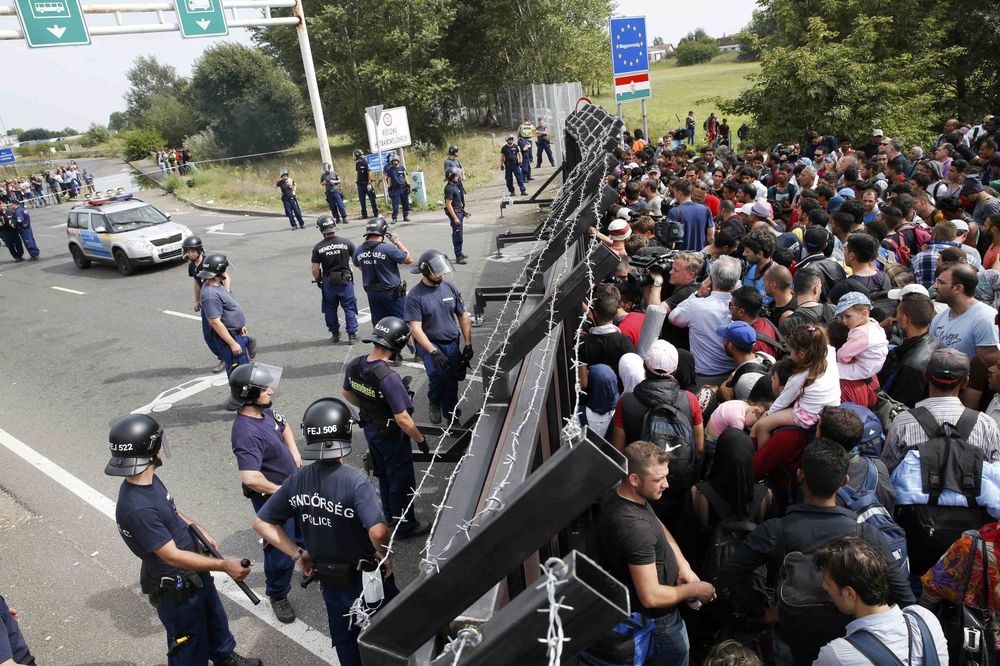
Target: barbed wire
(465, 637)
(555, 572)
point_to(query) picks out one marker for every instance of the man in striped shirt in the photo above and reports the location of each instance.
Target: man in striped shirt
(947, 374)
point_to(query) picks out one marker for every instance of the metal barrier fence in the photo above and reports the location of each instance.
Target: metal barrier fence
(516, 496)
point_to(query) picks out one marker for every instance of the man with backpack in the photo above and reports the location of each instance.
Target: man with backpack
(856, 578)
(860, 253)
(806, 619)
(808, 286)
(750, 380)
(862, 439)
(905, 239)
(658, 410)
(695, 218)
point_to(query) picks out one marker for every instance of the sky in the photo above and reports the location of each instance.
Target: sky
(75, 86)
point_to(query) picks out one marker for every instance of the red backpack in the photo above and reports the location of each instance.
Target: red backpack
(906, 241)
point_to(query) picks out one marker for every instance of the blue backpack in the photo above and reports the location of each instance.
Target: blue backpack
(871, 442)
(865, 503)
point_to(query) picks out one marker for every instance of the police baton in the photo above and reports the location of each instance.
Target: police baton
(200, 538)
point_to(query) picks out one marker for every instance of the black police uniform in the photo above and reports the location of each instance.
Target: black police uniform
(365, 189)
(330, 181)
(290, 202)
(334, 505)
(186, 601)
(379, 263)
(10, 236)
(334, 258)
(456, 193)
(399, 192)
(512, 170)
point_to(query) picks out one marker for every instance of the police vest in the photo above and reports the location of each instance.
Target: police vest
(366, 386)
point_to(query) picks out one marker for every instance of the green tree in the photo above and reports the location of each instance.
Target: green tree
(117, 121)
(35, 134)
(246, 99)
(171, 116)
(148, 78)
(140, 143)
(840, 85)
(696, 47)
(95, 135)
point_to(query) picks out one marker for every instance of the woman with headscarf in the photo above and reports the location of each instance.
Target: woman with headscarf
(631, 371)
(602, 397)
(728, 489)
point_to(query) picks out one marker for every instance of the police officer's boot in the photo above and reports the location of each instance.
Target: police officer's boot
(235, 659)
(352, 337)
(335, 337)
(434, 413)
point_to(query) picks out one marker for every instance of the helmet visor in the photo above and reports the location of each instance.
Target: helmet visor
(264, 375)
(439, 265)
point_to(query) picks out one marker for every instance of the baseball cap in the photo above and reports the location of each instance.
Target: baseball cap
(897, 294)
(849, 300)
(661, 358)
(847, 193)
(877, 132)
(619, 230)
(835, 202)
(745, 209)
(947, 366)
(815, 237)
(761, 209)
(739, 333)
(961, 226)
(971, 185)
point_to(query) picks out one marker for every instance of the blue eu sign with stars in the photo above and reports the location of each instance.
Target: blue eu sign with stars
(628, 45)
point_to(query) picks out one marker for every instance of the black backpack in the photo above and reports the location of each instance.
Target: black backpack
(730, 532)
(671, 430)
(947, 462)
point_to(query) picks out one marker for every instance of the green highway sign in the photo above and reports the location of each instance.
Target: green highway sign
(52, 22)
(201, 18)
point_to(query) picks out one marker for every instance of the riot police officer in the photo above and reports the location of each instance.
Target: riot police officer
(343, 529)
(543, 142)
(525, 134)
(330, 180)
(386, 406)
(289, 200)
(9, 235)
(454, 207)
(510, 164)
(194, 252)
(331, 270)
(438, 320)
(224, 314)
(365, 187)
(174, 574)
(399, 187)
(452, 163)
(265, 452)
(379, 258)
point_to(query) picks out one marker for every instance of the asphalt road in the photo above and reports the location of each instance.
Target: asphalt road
(75, 362)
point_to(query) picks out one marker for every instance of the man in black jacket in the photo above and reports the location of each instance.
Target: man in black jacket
(806, 527)
(902, 375)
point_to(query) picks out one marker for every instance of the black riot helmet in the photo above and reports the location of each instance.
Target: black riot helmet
(433, 261)
(192, 243)
(376, 227)
(326, 425)
(391, 333)
(248, 380)
(134, 441)
(214, 265)
(452, 150)
(451, 173)
(358, 153)
(326, 224)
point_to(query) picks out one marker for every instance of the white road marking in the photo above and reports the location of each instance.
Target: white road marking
(217, 229)
(70, 291)
(299, 632)
(183, 314)
(61, 225)
(172, 396)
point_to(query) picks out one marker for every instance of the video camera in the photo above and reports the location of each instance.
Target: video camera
(655, 259)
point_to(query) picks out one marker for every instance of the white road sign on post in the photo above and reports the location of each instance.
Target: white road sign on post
(392, 129)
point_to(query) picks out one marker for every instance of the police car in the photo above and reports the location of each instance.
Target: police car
(124, 231)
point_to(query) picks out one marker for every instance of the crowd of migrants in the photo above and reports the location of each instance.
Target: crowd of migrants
(48, 187)
(798, 355)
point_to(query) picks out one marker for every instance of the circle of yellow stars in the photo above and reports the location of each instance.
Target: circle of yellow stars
(626, 61)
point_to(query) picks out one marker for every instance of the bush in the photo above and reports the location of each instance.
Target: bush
(696, 51)
(140, 143)
(204, 146)
(97, 134)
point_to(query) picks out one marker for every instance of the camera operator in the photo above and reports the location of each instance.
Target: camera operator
(682, 277)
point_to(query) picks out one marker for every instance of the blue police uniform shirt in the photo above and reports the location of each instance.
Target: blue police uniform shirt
(396, 175)
(259, 446)
(147, 520)
(330, 182)
(378, 263)
(216, 302)
(454, 192)
(452, 163)
(392, 389)
(12, 645)
(437, 309)
(333, 253)
(510, 154)
(362, 168)
(334, 505)
(22, 217)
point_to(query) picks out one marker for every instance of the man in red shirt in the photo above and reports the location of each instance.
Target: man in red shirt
(746, 305)
(700, 194)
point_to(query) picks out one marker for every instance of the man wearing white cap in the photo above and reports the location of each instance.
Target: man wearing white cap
(874, 144)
